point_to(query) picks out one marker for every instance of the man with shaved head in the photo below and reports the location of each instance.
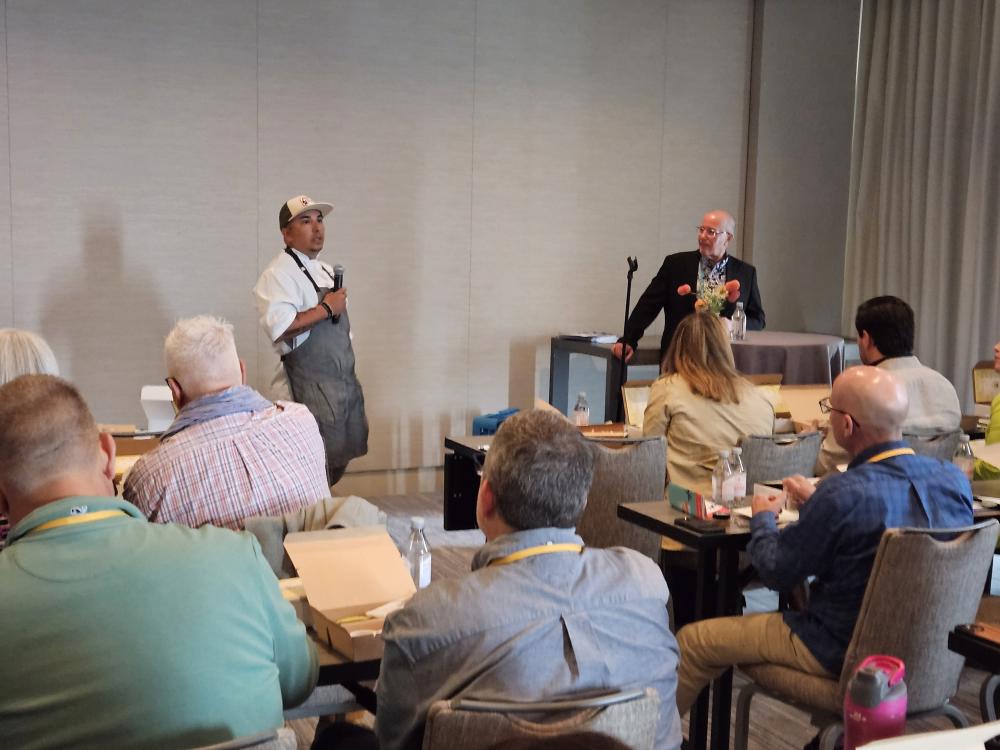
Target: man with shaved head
(840, 524)
(117, 632)
(700, 270)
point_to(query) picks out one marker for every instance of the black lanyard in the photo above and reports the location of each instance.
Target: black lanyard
(305, 271)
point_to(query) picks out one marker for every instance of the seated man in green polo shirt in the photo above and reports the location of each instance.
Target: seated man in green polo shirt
(115, 632)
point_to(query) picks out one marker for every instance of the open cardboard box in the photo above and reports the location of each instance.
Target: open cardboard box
(345, 573)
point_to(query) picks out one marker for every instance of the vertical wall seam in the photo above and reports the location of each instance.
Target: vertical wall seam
(472, 215)
(663, 131)
(10, 163)
(260, 357)
(749, 178)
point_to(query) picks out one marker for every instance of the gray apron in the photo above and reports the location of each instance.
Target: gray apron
(321, 376)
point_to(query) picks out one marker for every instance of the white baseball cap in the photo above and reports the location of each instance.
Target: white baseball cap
(297, 205)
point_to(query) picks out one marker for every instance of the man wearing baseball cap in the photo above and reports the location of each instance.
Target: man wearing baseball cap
(304, 315)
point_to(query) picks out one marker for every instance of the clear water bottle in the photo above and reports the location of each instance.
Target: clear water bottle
(722, 481)
(581, 412)
(739, 327)
(418, 553)
(964, 458)
(739, 473)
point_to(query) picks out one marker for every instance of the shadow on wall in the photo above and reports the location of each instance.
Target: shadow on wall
(107, 323)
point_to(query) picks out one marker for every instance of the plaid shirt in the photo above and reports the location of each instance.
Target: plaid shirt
(838, 533)
(233, 467)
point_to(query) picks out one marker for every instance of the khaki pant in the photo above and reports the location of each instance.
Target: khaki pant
(709, 647)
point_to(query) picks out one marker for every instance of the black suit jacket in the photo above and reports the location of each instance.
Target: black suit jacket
(661, 294)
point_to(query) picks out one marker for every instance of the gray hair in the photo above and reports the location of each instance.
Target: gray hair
(540, 468)
(46, 430)
(200, 354)
(24, 353)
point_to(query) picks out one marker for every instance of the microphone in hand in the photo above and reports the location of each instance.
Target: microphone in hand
(338, 283)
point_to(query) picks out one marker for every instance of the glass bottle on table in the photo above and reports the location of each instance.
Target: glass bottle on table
(964, 459)
(722, 481)
(581, 412)
(418, 553)
(739, 323)
(739, 479)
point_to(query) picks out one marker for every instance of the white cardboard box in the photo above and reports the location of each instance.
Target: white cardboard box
(346, 573)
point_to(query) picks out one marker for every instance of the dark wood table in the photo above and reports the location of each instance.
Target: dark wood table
(336, 669)
(717, 594)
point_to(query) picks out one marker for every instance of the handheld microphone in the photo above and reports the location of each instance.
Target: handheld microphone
(338, 282)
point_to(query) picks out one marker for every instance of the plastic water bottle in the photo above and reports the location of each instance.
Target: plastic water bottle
(722, 481)
(739, 328)
(418, 553)
(875, 702)
(581, 412)
(964, 459)
(739, 480)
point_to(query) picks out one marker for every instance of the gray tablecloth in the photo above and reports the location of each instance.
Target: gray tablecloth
(802, 358)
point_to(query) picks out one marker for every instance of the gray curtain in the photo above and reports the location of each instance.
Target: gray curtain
(925, 175)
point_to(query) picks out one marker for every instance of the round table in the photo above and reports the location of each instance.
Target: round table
(801, 358)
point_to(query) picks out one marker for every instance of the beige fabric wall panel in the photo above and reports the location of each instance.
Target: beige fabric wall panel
(132, 130)
(708, 51)
(566, 175)
(369, 106)
(6, 257)
(805, 101)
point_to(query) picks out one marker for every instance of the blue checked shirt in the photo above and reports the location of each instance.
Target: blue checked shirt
(838, 533)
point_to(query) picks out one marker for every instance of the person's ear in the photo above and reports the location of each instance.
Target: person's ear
(107, 456)
(176, 392)
(486, 502)
(243, 372)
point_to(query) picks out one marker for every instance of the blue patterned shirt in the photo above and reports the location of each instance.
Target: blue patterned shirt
(838, 533)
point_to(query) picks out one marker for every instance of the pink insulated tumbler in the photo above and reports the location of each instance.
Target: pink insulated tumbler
(875, 703)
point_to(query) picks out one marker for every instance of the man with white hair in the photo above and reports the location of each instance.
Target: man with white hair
(230, 453)
(117, 632)
(840, 525)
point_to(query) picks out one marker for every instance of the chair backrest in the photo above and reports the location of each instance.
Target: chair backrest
(628, 716)
(630, 474)
(923, 583)
(773, 457)
(936, 445)
(273, 739)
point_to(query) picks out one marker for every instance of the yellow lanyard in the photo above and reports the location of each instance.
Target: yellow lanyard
(97, 515)
(542, 549)
(889, 454)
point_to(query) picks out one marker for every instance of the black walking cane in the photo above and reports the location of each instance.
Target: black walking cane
(633, 266)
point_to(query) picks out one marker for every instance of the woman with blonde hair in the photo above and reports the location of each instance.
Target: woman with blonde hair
(24, 353)
(701, 403)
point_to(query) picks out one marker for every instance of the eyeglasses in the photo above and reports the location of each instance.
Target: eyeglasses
(711, 231)
(826, 407)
